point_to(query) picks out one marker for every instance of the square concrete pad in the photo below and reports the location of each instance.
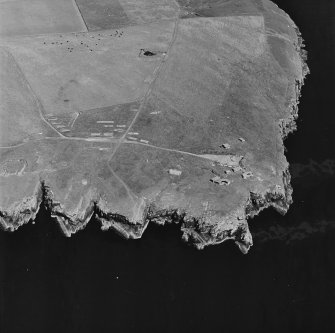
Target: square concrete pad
(33, 17)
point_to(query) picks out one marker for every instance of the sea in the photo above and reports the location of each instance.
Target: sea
(98, 282)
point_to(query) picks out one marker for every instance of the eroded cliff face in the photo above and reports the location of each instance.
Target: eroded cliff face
(191, 133)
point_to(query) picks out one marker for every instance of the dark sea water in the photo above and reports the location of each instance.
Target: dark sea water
(98, 282)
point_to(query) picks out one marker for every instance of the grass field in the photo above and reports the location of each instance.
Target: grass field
(19, 109)
(220, 8)
(203, 58)
(143, 11)
(21, 17)
(77, 72)
(102, 14)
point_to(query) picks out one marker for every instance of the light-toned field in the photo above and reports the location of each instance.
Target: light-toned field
(202, 62)
(19, 108)
(21, 17)
(77, 72)
(220, 8)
